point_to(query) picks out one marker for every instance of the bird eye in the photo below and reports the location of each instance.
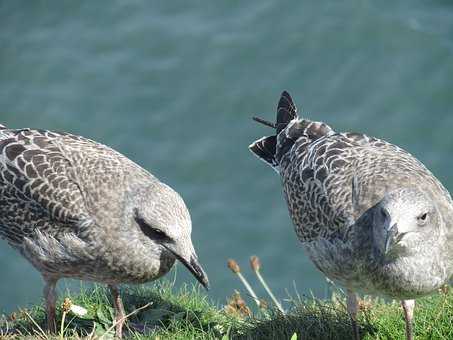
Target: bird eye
(151, 232)
(158, 234)
(422, 218)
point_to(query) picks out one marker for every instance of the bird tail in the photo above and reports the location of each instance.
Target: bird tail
(4, 132)
(288, 129)
(266, 148)
(286, 112)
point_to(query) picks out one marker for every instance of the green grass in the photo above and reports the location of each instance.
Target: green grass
(188, 313)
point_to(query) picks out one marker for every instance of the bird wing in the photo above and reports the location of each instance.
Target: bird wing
(379, 167)
(33, 168)
(49, 178)
(331, 182)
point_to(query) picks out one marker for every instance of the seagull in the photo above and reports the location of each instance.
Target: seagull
(370, 215)
(75, 208)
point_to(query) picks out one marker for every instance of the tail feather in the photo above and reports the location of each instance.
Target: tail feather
(264, 149)
(289, 128)
(286, 111)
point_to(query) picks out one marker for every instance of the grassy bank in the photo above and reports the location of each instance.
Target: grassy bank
(188, 314)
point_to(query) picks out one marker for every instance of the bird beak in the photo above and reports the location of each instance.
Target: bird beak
(390, 239)
(194, 267)
(192, 264)
(393, 237)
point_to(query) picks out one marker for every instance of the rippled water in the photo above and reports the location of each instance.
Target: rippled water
(173, 86)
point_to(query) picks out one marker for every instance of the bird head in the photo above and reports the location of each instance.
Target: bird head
(404, 220)
(164, 218)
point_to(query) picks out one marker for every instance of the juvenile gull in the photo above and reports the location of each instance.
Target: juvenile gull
(78, 209)
(369, 214)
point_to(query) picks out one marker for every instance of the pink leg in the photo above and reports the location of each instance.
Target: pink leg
(353, 308)
(119, 311)
(408, 307)
(51, 298)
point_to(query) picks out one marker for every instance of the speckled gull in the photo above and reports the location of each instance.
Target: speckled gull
(75, 208)
(369, 214)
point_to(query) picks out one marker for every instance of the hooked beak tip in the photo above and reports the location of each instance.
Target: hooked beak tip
(206, 286)
(198, 272)
(193, 266)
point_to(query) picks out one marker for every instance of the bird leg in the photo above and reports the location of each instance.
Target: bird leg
(353, 307)
(119, 311)
(408, 307)
(51, 298)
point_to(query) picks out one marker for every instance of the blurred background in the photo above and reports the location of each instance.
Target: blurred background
(174, 86)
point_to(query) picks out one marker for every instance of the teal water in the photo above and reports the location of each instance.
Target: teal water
(173, 86)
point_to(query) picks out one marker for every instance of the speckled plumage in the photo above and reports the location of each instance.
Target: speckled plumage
(76, 208)
(335, 184)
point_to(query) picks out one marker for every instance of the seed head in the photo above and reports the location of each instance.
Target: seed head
(233, 265)
(237, 306)
(365, 305)
(255, 263)
(66, 306)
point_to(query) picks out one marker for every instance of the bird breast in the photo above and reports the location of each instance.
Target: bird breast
(360, 269)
